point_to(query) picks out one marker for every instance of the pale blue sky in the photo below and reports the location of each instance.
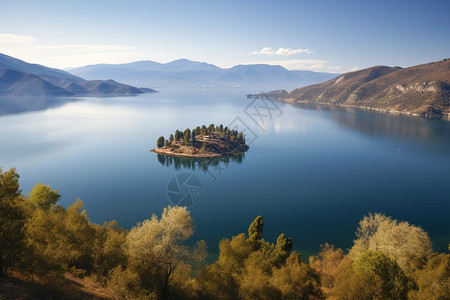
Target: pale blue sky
(333, 36)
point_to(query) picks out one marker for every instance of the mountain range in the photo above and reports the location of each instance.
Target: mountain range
(186, 74)
(422, 90)
(19, 78)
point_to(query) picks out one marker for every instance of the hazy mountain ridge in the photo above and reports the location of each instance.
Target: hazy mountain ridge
(186, 74)
(19, 78)
(422, 90)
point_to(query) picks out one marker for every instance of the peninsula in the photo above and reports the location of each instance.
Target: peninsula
(422, 90)
(211, 141)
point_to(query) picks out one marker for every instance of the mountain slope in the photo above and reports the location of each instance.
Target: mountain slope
(19, 78)
(186, 74)
(419, 90)
(14, 83)
(41, 71)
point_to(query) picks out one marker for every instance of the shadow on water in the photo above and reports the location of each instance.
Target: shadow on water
(379, 124)
(17, 105)
(203, 164)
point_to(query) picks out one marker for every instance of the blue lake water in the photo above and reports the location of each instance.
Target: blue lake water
(311, 172)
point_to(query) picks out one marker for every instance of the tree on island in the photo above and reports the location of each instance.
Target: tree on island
(187, 136)
(211, 128)
(160, 142)
(177, 135)
(171, 138)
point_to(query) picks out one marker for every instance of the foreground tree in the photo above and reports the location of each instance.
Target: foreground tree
(43, 197)
(62, 238)
(156, 249)
(372, 276)
(12, 220)
(407, 244)
(433, 280)
(251, 268)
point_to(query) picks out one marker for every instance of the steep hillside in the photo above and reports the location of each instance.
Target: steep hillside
(422, 90)
(14, 83)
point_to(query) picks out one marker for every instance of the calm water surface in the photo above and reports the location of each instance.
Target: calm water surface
(311, 173)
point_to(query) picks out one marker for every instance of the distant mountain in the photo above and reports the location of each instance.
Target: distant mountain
(19, 78)
(422, 90)
(186, 74)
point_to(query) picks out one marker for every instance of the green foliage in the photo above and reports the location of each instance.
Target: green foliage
(43, 197)
(255, 231)
(211, 128)
(160, 142)
(433, 280)
(62, 239)
(250, 268)
(407, 244)
(171, 138)
(284, 244)
(177, 135)
(12, 220)
(155, 248)
(110, 253)
(372, 276)
(375, 265)
(186, 136)
(155, 260)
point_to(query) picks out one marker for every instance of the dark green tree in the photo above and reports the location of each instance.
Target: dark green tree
(187, 136)
(160, 142)
(211, 128)
(12, 220)
(284, 244)
(177, 135)
(171, 138)
(221, 128)
(255, 231)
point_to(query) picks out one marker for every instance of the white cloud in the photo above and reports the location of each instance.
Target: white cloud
(63, 56)
(334, 67)
(88, 48)
(281, 51)
(317, 65)
(353, 69)
(15, 39)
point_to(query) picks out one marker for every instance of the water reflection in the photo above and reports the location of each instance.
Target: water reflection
(214, 167)
(17, 105)
(380, 124)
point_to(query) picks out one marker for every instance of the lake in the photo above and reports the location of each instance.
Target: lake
(311, 172)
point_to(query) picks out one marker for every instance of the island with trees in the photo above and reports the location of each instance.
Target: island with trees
(211, 141)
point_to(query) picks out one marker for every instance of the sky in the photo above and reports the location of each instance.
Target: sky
(327, 36)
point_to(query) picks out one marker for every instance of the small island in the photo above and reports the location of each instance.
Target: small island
(211, 141)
